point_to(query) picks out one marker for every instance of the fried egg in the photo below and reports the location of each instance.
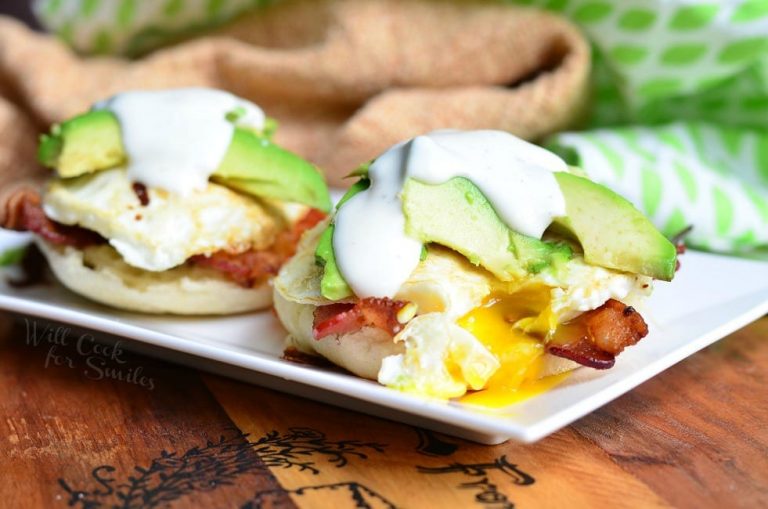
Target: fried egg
(170, 228)
(474, 332)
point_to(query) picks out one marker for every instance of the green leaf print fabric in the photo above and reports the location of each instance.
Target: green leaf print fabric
(132, 27)
(680, 113)
(665, 60)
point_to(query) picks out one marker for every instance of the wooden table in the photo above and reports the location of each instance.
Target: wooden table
(695, 436)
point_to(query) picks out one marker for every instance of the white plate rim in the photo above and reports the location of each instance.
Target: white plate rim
(493, 427)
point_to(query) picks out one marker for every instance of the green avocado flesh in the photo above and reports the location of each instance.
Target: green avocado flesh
(252, 165)
(332, 284)
(612, 232)
(470, 226)
(257, 166)
(83, 144)
(467, 223)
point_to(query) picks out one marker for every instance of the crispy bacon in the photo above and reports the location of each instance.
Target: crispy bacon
(380, 313)
(614, 326)
(141, 193)
(680, 248)
(584, 352)
(33, 219)
(595, 338)
(251, 268)
(679, 242)
(293, 355)
(287, 240)
(247, 269)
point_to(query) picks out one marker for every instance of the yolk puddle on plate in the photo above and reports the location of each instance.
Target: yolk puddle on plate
(500, 324)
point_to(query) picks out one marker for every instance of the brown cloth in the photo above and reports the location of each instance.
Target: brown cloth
(344, 78)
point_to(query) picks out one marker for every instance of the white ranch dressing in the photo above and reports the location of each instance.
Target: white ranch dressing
(175, 139)
(374, 254)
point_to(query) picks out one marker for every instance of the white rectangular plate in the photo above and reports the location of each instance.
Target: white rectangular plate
(711, 297)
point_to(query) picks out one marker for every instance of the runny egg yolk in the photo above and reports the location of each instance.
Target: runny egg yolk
(512, 328)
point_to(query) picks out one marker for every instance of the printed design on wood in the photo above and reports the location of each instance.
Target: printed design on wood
(357, 495)
(487, 493)
(291, 450)
(172, 476)
(169, 476)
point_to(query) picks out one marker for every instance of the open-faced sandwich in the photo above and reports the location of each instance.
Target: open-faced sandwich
(471, 261)
(172, 201)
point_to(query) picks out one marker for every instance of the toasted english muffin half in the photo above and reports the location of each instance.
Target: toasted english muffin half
(100, 274)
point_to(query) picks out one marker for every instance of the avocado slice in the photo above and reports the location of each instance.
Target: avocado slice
(257, 166)
(253, 164)
(471, 226)
(332, 285)
(83, 144)
(612, 232)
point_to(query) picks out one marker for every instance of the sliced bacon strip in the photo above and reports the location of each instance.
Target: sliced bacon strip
(680, 248)
(251, 268)
(380, 313)
(141, 193)
(247, 269)
(584, 352)
(287, 240)
(613, 326)
(598, 336)
(299, 357)
(592, 339)
(33, 219)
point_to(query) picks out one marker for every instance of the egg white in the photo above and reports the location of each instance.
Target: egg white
(170, 229)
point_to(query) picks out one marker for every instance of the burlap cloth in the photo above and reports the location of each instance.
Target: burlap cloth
(344, 78)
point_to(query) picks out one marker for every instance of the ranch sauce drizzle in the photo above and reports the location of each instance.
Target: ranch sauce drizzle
(175, 139)
(374, 254)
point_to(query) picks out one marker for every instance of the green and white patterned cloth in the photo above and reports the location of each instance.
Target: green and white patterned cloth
(680, 98)
(680, 118)
(132, 27)
(667, 60)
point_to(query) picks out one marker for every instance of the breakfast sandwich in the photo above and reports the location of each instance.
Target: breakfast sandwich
(472, 261)
(172, 201)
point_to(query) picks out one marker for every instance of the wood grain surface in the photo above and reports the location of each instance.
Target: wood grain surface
(152, 434)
